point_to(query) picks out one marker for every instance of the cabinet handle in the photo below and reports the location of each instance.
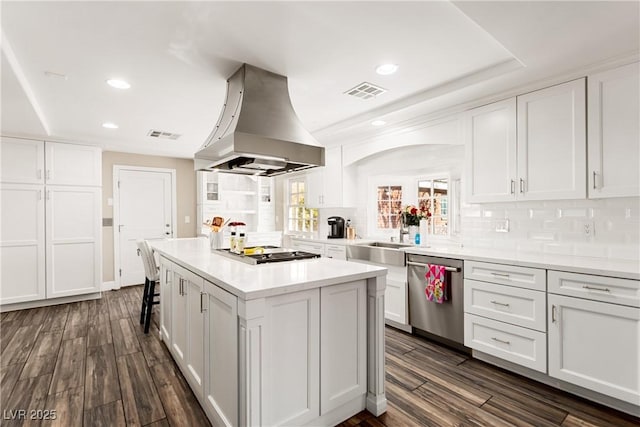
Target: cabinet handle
(500, 303)
(201, 303)
(521, 185)
(166, 276)
(505, 275)
(181, 287)
(39, 173)
(553, 314)
(594, 180)
(513, 187)
(499, 340)
(138, 251)
(593, 288)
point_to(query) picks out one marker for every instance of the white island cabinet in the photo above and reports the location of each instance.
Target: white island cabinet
(288, 343)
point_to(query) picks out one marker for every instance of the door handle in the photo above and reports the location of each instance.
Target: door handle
(138, 251)
(594, 288)
(202, 310)
(449, 269)
(594, 180)
(500, 303)
(168, 233)
(500, 341)
(553, 314)
(513, 187)
(521, 185)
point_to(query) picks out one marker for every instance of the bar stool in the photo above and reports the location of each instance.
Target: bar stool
(152, 276)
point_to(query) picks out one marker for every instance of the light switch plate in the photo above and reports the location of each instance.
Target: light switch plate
(187, 219)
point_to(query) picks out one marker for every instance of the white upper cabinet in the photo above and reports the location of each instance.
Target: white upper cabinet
(70, 164)
(552, 143)
(614, 132)
(491, 151)
(532, 147)
(324, 184)
(21, 161)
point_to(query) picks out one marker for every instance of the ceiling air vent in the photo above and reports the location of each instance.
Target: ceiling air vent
(366, 91)
(164, 135)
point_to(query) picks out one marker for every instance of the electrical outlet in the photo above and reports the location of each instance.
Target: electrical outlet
(502, 225)
(588, 228)
(187, 219)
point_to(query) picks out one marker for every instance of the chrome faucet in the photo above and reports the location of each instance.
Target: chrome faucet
(403, 229)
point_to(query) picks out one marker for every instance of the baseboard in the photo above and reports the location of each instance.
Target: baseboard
(47, 302)
(110, 286)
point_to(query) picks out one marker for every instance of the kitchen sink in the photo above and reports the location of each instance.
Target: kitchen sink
(386, 253)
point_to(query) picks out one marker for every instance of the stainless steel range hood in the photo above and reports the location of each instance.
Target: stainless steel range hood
(258, 131)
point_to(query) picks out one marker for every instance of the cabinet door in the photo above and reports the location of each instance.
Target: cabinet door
(22, 248)
(314, 188)
(331, 182)
(70, 164)
(73, 240)
(21, 161)
(195, 333)
(490, 138)
(221, 355)
(343, 352)
(552, 143)
(614, 132)
(395, 301)
(595, 345)
(179, 318)
(166, 284)
(291, 365)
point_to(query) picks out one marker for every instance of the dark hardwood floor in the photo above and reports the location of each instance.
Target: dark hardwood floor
(91, 363)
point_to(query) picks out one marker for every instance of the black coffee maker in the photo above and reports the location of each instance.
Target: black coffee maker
(336, 227)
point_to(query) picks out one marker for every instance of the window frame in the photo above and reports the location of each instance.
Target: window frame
(432, 178)
(307, 212)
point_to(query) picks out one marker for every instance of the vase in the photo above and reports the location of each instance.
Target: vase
(413, 230)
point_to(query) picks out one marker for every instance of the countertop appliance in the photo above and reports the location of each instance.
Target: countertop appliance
(444, 320)
(336, 227)
(269, 255)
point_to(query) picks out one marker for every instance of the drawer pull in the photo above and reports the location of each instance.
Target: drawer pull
(506, 275)
(500, 303)
(553, 314)
(500, 341)
(592, 288)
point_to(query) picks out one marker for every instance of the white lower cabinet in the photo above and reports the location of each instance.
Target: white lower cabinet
(593, 343)
(396, 299)
(343, 344)
(221, 355)
(22, 243)
(313, 247)
(519, 345)
(178, 343)
(195, 332)
(166, 295)
(291, 378)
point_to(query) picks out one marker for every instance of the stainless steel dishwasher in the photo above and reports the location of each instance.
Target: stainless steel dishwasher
(444, 320)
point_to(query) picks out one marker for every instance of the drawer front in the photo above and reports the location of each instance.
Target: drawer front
(522, 277)
(521, 307)
(335, 251)
(513, 343)
(315, 248)
(597, 288)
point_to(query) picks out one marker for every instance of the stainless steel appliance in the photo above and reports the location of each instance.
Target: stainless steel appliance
(269, 255)
(444, 320)
(258, 132)
(336, 227)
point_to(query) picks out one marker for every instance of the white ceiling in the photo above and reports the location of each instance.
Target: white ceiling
(177, 56)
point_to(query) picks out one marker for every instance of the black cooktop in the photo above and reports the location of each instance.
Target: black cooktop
(270, 255)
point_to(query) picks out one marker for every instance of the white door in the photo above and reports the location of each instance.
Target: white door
(195, 337)
(22, 251)
(490, 144)
(73, 240)
(179, 331)
(552, 143)
(614, 132)
(21, 161)
(145, 205)
(595, 345)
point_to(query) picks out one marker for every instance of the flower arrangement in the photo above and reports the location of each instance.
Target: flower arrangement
(411, 215)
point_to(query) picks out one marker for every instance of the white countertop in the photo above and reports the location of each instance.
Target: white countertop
(258, 281)
(587, 265)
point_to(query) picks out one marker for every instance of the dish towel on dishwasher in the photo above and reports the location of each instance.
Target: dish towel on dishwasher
(436, 283)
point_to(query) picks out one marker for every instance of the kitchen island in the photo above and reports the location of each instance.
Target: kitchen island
(287, 343)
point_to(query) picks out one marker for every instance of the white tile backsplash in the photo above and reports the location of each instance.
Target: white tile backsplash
(558, 227)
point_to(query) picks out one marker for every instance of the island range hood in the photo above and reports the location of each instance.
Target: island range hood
(258, 132)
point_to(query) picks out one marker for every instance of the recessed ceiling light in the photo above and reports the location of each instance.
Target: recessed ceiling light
(386, 69)
(118, 84)
(378, 123)
(110, 125)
